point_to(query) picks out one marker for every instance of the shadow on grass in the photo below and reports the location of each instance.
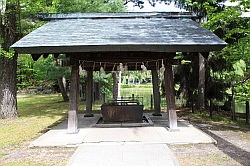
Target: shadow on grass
(219, 121)
(236, 153)
(49, 111)
(42, 106)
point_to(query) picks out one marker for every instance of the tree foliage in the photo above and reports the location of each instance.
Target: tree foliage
(234, 59)
(32, 73)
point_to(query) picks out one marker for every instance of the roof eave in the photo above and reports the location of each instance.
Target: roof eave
(117, 48)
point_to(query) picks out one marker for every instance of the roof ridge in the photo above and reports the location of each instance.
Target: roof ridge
(120, 15)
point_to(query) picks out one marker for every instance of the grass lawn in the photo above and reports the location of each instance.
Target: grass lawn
(144, 93)
(221, 119)
(36, 114)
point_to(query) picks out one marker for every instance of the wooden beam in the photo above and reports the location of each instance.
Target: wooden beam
(156, 93)
(45, 55)
(73, 100)
(35, 57)
(56, 55)
(170, 97)
(121, 57)
(89, 94)
(205, 54)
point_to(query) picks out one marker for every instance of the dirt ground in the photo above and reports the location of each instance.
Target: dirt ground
(25, 156)
(232, 149)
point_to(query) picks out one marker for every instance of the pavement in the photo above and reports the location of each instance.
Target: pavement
(130, 146)
(123, 154)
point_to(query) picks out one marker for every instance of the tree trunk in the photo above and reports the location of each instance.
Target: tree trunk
(8, 66)
(201, 85)
(115, 85)
(89, 94)
(62, 85)
(193, 80)
(8, 100)
(156, 92)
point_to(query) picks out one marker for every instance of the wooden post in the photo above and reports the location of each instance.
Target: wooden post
(156, 93)
(247, 112)
(73, 99)
(89, 94)
(170, 97)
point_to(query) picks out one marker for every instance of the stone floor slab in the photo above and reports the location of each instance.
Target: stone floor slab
(158, 133)
(119, 154)
(59, 138)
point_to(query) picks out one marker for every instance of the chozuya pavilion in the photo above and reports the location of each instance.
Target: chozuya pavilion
(96, 40)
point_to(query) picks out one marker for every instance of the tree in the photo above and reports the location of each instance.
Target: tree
(15, 23)
(8, 59)
(235, 30)
(48, 71)
(230, 64)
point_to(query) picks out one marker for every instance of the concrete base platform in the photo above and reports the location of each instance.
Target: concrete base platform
(156, 134)
(123, 146)
(122, 154)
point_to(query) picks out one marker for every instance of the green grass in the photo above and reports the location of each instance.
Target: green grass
(144, 91)
(26, 163)
(139, 92)
(150, 86)
(36, 114)
(240, 107)
(3, 154)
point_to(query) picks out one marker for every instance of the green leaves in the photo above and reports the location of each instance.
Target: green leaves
(239, 68)
(66, 6)
(233, 62)
(6, 54)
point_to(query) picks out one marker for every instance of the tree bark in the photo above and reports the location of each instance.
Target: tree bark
(89, 94)
(8, 100)
(201, 84)
(115, 85)
(156, 92)
(62, 85)
(194, 78)
(8, 66)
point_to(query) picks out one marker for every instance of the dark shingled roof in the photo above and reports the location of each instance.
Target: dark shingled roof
(49, 17)
(119, 34)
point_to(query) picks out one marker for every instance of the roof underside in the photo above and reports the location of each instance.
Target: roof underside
(72, 35)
